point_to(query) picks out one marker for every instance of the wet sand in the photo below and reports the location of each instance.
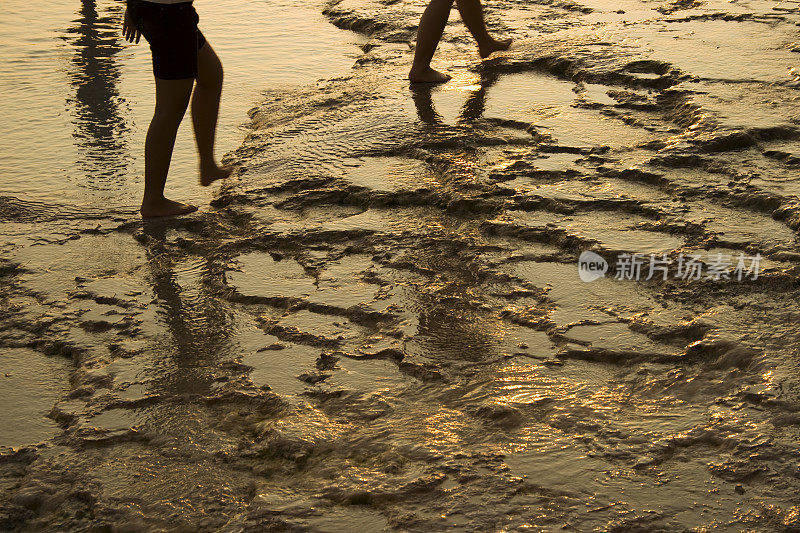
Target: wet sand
(379, 323)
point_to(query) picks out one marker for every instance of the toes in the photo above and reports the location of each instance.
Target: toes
(220, 173)
(432, 76)
(187, 208)
(170, 210)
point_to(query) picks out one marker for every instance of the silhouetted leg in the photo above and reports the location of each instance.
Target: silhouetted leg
(431, 27)
(475, 105)
(423, 101)
(205, 111)
(472, 14)
(172, 99)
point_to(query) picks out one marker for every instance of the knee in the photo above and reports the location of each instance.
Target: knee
(212, 80)
(168, 117)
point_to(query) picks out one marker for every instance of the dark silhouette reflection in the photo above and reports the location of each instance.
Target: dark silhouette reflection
(199, 324)
(422, 94)
(475, 105)
(95, 74)
(473, 108)
(449, 327)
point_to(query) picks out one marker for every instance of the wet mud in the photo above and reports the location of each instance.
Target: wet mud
(379, 323)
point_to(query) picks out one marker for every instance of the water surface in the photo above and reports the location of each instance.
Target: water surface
(76, 98)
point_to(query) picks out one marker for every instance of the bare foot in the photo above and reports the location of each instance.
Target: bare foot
(493, 46)
(209, 175)
(165, 208)
(427, 75)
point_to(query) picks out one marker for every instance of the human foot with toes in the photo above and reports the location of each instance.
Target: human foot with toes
(428, 76)
(492, 46)
(210, 174)
(164, 207)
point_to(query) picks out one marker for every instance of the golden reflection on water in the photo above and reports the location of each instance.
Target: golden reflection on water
(463, 81)
(443, 427)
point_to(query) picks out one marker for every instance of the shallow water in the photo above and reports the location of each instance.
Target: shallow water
(77, 99)
(379, 323)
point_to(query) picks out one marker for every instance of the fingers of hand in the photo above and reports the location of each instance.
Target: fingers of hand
(131, 33)
(129, 30)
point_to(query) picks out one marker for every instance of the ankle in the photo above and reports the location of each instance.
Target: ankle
(153, 199)
(208, 164)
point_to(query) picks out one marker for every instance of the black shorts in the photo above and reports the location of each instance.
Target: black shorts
(171, 30)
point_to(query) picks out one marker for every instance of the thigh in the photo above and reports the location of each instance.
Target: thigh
(209, 68)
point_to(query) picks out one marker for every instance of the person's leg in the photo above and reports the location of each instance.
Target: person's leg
(431, 27)
(472, 15)
(172, 99)
(205, 111)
